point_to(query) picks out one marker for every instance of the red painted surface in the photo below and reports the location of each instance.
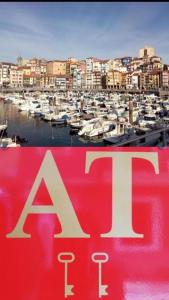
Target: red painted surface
(137, 269)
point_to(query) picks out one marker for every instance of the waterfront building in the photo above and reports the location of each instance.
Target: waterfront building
(97, 80)
(26, 70)
(82, 66)
(96, 65)
(146, 71)
(71, 66)
(89, 80)
(31, 80)
(76, 79)
(81, 75)
(135, 79)
(38, 66)
(164, 78)
(75, 70)
(58, 81)
(83, 80)
(16, 77)
(56, 67)
(95, 70)
(123, 80)
(142, 81)
(128, 82)
(153, 80)
(5, 73)
(114, 79)
(147, 52)
(150, 80)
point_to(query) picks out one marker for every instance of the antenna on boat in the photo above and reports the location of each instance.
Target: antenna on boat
(131, 112)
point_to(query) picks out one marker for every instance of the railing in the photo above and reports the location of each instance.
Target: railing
(159, 92)
(162, 131)
(120, 90)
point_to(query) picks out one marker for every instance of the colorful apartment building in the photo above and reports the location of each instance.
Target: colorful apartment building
(143, 72)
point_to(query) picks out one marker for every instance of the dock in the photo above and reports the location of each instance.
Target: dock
(160, 133)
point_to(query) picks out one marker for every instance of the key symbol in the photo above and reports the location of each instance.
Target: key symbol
(100, 258)
(66, 258)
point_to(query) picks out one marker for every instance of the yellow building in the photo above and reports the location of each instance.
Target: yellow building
(150, 80)
(147, 51)
(26, 70)
(114, 79)
(56, 67)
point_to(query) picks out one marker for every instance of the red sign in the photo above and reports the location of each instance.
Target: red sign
(84, 223)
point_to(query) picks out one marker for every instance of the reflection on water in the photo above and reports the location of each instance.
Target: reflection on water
(38, 132)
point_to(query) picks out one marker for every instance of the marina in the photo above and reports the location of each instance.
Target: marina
(77, 118)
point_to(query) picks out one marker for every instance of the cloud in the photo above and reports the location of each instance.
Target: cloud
(61, 30)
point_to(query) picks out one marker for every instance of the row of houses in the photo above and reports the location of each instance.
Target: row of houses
(144, 72)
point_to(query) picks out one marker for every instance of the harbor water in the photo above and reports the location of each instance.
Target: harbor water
(38, 132)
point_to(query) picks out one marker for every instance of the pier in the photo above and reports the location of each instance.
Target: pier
(159, 92)
(163, 138)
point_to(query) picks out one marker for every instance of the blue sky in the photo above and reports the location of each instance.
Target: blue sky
(100, 29)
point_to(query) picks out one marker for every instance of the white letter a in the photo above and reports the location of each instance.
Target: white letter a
(62, 205)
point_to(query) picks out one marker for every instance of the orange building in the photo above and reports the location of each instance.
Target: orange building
(56, 67)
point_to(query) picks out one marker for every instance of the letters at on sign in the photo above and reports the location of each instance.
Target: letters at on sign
(100, 210)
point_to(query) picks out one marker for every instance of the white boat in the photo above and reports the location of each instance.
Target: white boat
(116, 134)
(88, 127)
(48, 116)
(149, 119)
(100, 128)
(24, 107)
(8, 142)
(29, 105)
(81, 123)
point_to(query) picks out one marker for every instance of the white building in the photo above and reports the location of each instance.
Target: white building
(16, 77)
(89, 65)
(5, 73)
(135, 80)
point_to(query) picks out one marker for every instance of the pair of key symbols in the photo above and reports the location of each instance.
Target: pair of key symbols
(97, 257)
